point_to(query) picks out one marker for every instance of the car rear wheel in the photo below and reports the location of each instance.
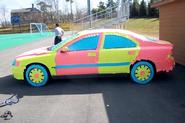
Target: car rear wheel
(142, 72)
(36, 75)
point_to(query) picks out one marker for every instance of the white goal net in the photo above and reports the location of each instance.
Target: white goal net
(38, 28)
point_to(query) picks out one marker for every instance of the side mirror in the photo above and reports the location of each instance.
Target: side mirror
(64, 49)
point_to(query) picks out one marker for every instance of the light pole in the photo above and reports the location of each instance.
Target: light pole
(89, 12)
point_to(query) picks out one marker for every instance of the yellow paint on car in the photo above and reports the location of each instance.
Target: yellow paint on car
(117, 55)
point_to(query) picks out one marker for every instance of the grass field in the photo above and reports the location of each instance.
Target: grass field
(144, 26)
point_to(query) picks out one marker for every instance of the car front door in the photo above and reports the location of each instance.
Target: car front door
(81, 58)
(116, 53)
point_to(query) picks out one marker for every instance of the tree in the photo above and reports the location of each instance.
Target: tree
(50, 10)
(101, 6)
(130, 7)
(3, 18)
(135, 9)
(43, 6)
(101, 9)
(152, 12)
(110, 3)
(143, 9)
(79, 12)
(71, 7)
(46, 11)
(94, 10)
(56, 8)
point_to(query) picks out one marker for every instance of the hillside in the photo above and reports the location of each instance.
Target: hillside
(144, 26)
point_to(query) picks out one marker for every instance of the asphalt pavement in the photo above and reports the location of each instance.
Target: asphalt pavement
(93, 99)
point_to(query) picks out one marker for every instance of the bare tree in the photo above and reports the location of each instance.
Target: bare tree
(56, 6)
(3, 17)
(79, 12)
(65, 13)
(51, 7)
(71, 7)
(46, 11)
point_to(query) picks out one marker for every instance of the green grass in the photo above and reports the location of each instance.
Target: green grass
(13, 40)
(144, 26)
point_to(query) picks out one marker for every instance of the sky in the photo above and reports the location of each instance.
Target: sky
(17, 4)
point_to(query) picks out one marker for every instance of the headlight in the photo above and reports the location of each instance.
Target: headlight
(15, 63)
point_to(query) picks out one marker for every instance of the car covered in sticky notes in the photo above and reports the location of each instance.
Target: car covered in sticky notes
(100, 51)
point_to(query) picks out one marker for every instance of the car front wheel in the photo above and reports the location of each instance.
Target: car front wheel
(36, 75)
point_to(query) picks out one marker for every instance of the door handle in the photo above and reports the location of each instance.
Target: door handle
(131, 52)
(91, 54)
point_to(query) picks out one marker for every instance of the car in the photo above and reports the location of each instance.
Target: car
(98, 51)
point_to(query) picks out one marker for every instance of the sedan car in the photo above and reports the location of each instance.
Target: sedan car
(101, 51)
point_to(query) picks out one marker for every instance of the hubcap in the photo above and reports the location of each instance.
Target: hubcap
(142, 72)
(36, 75)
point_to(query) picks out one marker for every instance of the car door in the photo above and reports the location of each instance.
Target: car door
(116, 53)
(81, 58)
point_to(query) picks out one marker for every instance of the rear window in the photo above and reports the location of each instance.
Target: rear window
(150, 38)
(115, 41)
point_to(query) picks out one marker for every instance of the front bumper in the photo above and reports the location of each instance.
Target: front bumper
(18, 72)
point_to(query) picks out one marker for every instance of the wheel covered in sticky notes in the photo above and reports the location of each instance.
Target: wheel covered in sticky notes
(142, 72)
(36, 75)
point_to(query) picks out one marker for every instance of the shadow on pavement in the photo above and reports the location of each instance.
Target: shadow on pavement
(65, 85)
(162, 101)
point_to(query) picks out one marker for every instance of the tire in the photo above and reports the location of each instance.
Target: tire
(142, 72)
(36, 75)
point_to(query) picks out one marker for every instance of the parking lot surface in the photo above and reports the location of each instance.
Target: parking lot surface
(93, 99)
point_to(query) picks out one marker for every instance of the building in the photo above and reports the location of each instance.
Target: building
(26, 15)
(172, 25)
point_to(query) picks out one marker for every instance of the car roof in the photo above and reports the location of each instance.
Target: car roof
(125, 32)
(120, 31)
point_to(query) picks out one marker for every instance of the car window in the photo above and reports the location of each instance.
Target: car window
(87, 43)
(114, 41)
(64, 41)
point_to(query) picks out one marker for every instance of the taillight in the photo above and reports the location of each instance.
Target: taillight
(170, 55)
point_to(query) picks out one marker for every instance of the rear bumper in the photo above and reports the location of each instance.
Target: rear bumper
(169, 65)
(166, 65)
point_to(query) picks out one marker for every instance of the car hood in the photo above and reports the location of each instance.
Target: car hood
(35, 52)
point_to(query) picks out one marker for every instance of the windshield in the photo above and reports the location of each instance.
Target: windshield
(64, 41)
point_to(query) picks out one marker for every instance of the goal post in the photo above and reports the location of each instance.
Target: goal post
(38, 28)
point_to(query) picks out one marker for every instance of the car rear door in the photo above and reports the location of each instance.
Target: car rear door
(116, 53)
